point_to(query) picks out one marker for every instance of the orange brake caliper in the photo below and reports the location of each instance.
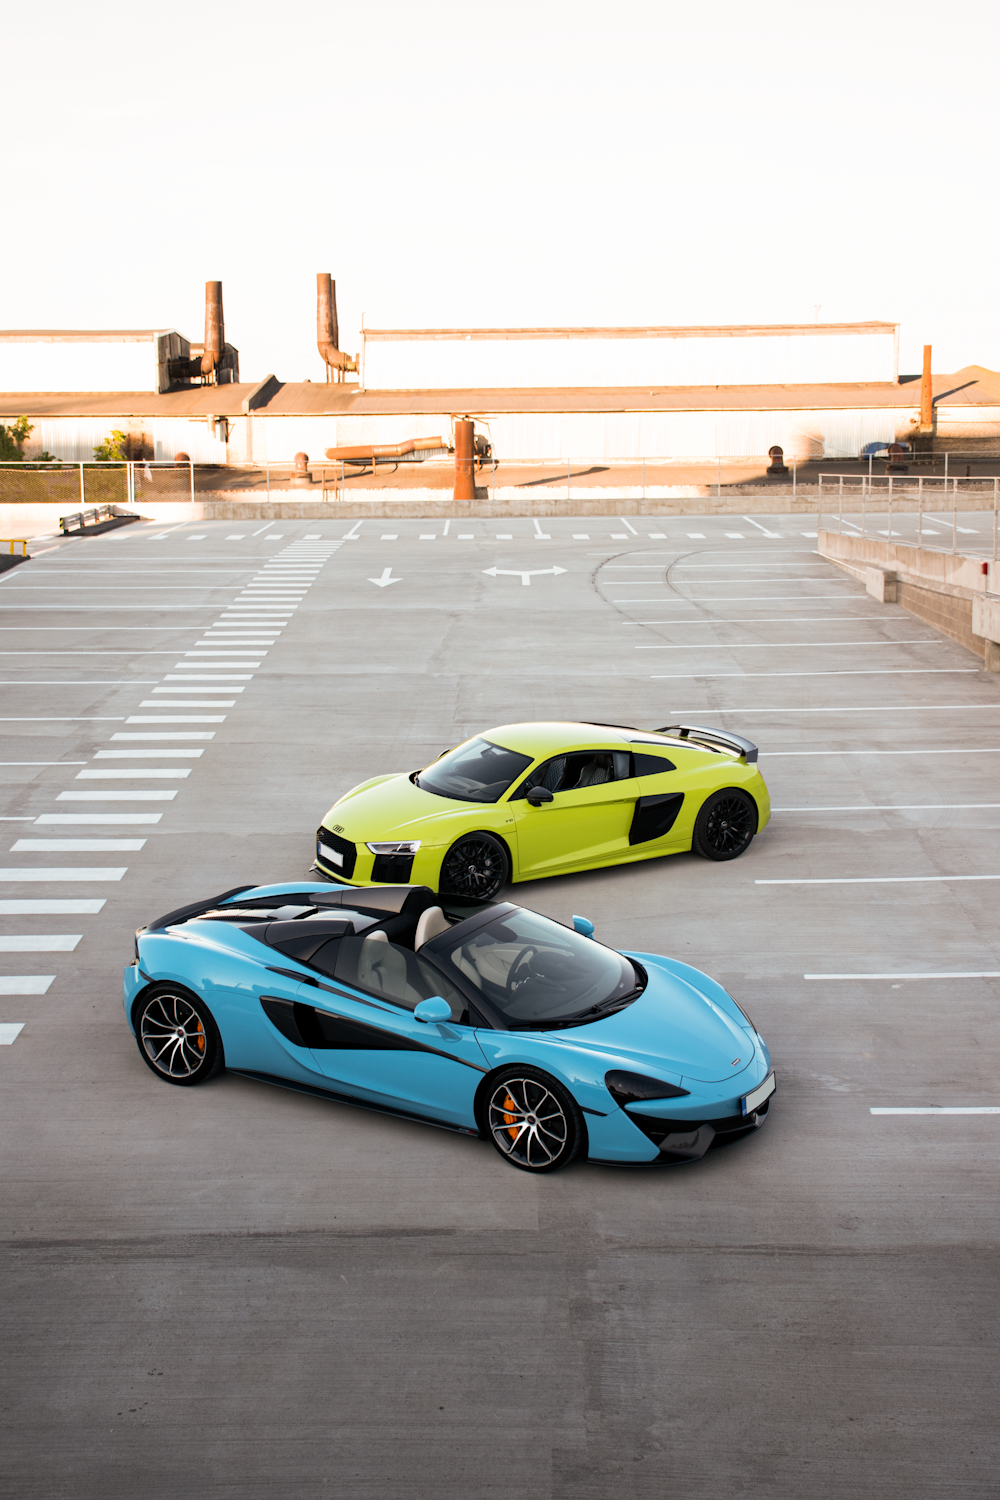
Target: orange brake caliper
(510, 1119)
(200, 1039)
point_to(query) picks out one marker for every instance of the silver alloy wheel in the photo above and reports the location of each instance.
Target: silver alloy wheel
(527, 1122)
(173, 1036)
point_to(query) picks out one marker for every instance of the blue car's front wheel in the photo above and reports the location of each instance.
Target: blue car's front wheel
(533, 1121)
(177, 1035)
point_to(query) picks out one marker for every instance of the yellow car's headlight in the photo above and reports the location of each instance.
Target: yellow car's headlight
(397, 846)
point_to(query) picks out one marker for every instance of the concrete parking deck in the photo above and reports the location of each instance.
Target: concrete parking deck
(240, 1292)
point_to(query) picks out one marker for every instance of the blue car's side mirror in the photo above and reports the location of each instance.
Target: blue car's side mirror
(434, 1009)
(583, 927)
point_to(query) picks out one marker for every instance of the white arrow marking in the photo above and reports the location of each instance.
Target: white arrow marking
(385, 580)
(525, 577)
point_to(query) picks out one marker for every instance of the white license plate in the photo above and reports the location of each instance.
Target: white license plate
(331, 855)
(754, 1100)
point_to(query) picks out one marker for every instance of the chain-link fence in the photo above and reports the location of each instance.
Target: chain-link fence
(82, 486)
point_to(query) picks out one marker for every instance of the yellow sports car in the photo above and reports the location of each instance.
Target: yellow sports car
(529, 800)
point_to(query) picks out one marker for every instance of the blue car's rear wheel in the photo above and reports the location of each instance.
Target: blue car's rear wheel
(476, 867)
(533, 1121)
(725, 825)
(178, 1038)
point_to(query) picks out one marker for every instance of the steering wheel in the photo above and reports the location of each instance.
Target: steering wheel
(511, 972)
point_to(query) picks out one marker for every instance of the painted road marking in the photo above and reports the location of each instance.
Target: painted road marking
(183, 703)
(116, 796)
(48, 907)
(68, 872)
(148, 754)
(840, 672)
(784, 645)
(385, 580)
(963, 974)
(79, 819)
(877, 879)
(10, 1030)
(939, 1109)
(525, 576)
(75, 846)
(63, 942)
(761, 528)
(178, 772)
(25, 984)
(893, 807)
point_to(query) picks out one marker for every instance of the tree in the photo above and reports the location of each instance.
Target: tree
(112, 450)
(12, 439)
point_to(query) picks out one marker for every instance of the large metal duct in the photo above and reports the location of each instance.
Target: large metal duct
(327, 330)
(215, 333)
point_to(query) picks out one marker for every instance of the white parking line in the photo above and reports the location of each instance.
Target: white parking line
(9, 1032)
(839, 672)
(878, 880)
(938, 1109)
(785, 645)
(893, 807)
(63, 942)
(116, 796)
(81, 819)
(174, 772)
(930, 974)
(25, 984)
(70, 872)
(75, 846)
(49, 907)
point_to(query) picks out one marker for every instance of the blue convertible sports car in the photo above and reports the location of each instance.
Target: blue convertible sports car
(486, 1019)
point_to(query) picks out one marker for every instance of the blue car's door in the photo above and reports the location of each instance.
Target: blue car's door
(358, 1030)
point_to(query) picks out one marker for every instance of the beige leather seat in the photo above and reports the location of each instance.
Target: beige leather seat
(382, 967)
(431, 924)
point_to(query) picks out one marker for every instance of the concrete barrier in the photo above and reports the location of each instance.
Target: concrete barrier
(947, 590)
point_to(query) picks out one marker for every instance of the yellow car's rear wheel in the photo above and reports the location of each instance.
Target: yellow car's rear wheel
(725, 825)
(476, 867)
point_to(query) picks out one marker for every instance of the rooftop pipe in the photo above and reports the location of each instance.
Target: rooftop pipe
(327, 330)
(215, 332)
(926, 394)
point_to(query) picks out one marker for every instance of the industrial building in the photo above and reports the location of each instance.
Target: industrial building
(688, 394)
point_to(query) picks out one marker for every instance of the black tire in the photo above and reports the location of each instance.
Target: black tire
(177, 1036)
(725, 825)
(476, 867)
(534, 1123)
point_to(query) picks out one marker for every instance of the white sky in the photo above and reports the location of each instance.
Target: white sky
(523, 162)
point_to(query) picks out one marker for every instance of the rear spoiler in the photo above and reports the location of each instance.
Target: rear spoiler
(746, 748)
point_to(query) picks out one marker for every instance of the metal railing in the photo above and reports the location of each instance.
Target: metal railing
(81, 519)
(15, 542)
(107, 482)
(894, 487)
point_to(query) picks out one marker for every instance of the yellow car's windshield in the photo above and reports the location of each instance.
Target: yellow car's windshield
(477, 772)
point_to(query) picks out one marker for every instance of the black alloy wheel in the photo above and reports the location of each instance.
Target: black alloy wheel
(533, 1122)
(726, 824)
(476, 867)
(177, 1037)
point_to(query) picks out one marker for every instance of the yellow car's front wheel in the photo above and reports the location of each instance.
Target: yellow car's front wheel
(476, 867)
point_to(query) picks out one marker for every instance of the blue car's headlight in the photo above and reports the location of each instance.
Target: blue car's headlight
(396, 846)
(632, 1088)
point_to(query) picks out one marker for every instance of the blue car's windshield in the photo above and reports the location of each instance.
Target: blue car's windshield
(537, 973)
(477, 772)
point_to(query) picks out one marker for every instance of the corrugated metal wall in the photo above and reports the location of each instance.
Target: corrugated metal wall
(518, 437)
(73, 439)
(505, 364)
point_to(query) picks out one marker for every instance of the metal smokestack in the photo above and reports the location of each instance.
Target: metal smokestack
(926, 394)
(215, 333)
(327, 331)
